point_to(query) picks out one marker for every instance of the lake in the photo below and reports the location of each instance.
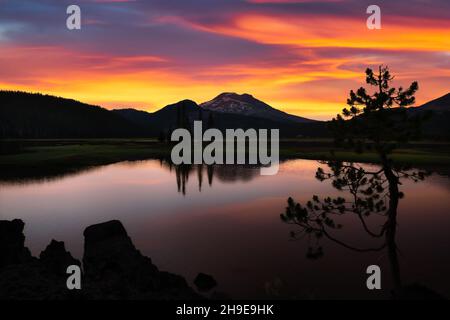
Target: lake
(224, 221)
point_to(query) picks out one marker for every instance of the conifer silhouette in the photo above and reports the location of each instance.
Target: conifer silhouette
(376, 122)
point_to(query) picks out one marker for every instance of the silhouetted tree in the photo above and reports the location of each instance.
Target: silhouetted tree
(374, 122)
(162, 136)
(182, 117)
(211, 123)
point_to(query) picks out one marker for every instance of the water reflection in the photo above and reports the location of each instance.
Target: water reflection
(204, 173)
(231, 229)
(224, 173)
(365, 191)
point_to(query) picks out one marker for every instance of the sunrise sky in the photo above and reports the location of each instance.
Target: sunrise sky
(299, 56)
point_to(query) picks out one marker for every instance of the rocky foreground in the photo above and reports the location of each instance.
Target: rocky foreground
(112, 268)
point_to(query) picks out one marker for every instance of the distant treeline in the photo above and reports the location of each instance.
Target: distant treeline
(33, 115)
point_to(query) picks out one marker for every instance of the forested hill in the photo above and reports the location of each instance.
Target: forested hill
(33, 115)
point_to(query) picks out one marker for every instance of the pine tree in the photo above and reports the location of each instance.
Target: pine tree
(375, 122)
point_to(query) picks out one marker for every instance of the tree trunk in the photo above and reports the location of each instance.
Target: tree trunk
(391, 224)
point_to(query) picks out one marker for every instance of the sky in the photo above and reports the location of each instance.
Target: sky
(299, 56)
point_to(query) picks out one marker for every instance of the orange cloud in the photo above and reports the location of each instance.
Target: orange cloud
(335, 32)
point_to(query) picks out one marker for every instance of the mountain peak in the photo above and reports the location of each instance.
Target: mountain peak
(438, 104)
(230, 102)
(186, 103)
(247, 105)
(234, 95)
(241, 98)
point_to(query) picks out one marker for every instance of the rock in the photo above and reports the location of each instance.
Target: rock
(114, 267)
(204, 282)
(107, 248)
(23, 277)
(32, 281)
(12, 239)
(56, 259)
(105, 231)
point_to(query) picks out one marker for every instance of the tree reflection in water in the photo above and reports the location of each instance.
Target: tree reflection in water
(370, 192)
(224, 173)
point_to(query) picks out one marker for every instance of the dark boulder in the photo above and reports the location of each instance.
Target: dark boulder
(113, 268)
(24, 277)
(56, 259)
(204, 282)
(116, 269)
(108, 248)
(12, 239)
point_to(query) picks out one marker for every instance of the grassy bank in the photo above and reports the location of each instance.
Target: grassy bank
(36, 159)
(83, 153)
(36, 154)
(400, 156)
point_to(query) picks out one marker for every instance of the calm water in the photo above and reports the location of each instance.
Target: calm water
(225, 221)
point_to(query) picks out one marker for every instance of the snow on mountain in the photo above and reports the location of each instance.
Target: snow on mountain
(245, 104)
